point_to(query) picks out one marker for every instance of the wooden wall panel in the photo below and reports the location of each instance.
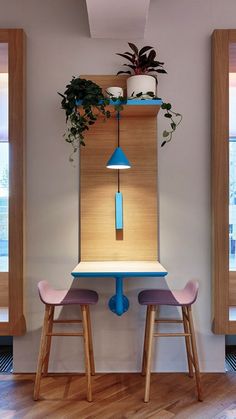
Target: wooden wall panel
(98, 185)
(220, 186)
(16, 42)
(232, 288)
(224, 284)
(4, 289)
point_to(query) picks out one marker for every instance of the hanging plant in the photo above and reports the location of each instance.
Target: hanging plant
(175, 119)
(89, 96)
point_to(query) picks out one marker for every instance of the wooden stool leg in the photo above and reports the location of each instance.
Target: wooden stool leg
(86, 351)
(42, 352)
(91, 354)
(187, 342)
(195, 356)
(149, 352)
(49, 340)
(145, 344)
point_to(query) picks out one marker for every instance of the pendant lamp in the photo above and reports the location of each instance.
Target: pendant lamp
(119, 161)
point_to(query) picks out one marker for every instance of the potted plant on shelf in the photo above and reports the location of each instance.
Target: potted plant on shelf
(143, 65)
(143, 68)
(82, 101)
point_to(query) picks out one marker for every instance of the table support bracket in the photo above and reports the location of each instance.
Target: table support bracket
(119, 303)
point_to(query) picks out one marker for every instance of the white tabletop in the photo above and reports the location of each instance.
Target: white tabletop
(119, 268)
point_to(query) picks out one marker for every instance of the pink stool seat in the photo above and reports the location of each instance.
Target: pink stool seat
(51, 296)
(185, 297)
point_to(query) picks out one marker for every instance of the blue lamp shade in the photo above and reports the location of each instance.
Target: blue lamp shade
(118, 160)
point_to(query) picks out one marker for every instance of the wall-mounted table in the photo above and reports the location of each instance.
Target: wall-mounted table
(119, 270)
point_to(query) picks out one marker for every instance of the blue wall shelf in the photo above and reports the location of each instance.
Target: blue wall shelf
(135, 107)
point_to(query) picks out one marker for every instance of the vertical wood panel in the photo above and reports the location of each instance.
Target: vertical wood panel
(232, 288)
(4, 302)
(16, 41)
(16, 203)
(220, 179)
(138, 138)
(232, 68)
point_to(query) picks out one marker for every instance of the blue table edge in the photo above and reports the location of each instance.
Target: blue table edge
(117, 274)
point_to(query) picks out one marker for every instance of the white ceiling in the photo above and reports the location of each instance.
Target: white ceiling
(117, 19)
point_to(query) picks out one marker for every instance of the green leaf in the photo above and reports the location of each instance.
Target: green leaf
(151, 56)
(123, 72)
(133, 47)
(173, 126)
(157, 63)
(61, 95)
(143, 50)
(162, 71)
(126, 57)
(163, 143)
(129, 53)
(165, 133)
(167, 115)
(151, 94)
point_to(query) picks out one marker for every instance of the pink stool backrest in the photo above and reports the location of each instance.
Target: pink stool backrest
(48, 295)
(189, 292)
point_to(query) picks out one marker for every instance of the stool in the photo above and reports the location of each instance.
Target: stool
(183, 298)
(51, 298)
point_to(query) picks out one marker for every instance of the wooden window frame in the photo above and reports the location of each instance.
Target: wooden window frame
(15, 38)
(222, 298)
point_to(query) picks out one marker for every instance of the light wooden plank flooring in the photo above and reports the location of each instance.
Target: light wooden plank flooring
(118, 396)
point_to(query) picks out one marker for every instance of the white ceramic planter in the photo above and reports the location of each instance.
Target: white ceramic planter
(141, 83)
(114, 92)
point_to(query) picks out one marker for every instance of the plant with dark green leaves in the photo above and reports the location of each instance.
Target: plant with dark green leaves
(174, 118)
(83, 101)
(141, 61)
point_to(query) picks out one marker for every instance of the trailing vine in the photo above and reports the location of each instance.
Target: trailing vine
(83, 100)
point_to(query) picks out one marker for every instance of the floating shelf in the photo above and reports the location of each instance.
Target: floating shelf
(135, 107)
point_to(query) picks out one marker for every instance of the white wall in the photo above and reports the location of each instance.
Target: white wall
(58, 47)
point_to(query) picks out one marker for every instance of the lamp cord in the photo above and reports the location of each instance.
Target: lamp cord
(118, 137)
(118, 126)
(118, 179)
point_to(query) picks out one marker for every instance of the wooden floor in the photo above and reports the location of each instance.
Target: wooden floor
(118, 396)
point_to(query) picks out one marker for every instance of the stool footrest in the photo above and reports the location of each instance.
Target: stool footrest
(168, 321)
(65, 334)
(170, 334)
(67, 321)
